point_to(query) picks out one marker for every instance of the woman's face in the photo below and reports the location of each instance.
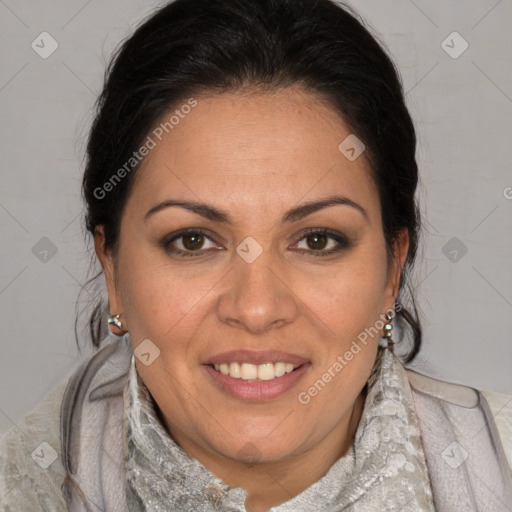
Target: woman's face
(248, 284)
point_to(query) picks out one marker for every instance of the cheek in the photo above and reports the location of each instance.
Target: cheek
(352, 309)
(160, 302)
(350, 298)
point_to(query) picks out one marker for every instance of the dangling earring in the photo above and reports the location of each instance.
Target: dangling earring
(115, 325)
(388, 330)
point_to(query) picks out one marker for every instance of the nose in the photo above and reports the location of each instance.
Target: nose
(257, 299)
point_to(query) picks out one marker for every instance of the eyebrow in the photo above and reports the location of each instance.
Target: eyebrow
(217, 215)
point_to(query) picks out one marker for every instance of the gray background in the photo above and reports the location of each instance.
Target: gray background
(462, 108)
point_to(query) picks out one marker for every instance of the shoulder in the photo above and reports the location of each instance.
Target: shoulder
(500, 404)
(31, 469)
(501, 408)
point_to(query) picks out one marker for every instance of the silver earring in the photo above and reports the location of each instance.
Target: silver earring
(115, 325)
(388, 330)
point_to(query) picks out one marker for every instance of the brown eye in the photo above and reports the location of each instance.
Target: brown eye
(193, 241)
(323, 242)
(188, 243)
(317, 241)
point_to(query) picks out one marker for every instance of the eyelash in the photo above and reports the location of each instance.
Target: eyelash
(343, 242)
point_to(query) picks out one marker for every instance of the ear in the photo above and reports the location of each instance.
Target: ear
(400, 249)
(108, 264)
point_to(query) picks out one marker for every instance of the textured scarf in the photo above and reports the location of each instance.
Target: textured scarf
(385, 469)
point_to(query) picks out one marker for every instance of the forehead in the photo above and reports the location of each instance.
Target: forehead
(256, 148)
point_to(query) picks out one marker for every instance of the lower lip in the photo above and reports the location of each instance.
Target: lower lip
(257, 390)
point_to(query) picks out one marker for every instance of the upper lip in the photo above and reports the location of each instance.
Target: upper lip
(255, 357)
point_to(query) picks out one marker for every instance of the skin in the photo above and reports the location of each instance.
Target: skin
(255, 156)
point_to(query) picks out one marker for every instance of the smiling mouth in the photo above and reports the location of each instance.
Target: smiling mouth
(255, 372)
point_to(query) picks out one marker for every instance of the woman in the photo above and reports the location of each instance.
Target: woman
(250, 187)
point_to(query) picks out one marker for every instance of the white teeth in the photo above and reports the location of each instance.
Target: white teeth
(280, 369)
(266, 371)
(235, 371)
(247, 371)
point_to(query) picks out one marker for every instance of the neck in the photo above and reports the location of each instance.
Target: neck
(270, 484)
